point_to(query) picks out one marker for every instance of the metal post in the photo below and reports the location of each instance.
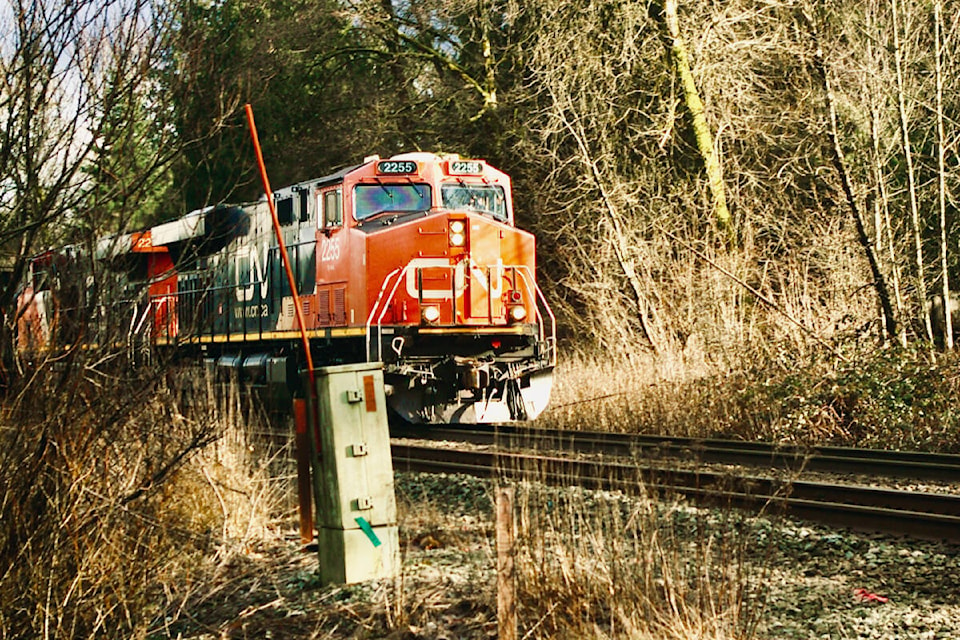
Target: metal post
(304, 487)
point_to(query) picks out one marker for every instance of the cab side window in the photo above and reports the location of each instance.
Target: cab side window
(285, 210)
(332, 209)
(303, 202)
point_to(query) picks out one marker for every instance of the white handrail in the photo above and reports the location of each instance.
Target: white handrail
(533, 292)
(376, 305)
(537, 294)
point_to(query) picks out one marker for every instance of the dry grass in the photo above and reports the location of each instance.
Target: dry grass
(633, 393)
(600, 565)
(143, 508)
(884, 397)
(133, 508)
(641, 564)
(608, 393)
(90, 522)
(248, 470)
(116, 502)
(590, 564)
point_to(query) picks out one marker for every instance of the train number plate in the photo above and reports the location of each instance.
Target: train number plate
(396, 167)
(465, 167)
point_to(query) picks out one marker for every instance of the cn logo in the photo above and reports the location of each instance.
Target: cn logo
(254, 274)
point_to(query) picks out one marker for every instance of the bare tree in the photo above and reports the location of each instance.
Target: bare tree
(881, 203)
(941, 176)
(896, 17)
(86, 447)
(79, 140)
(840, 164)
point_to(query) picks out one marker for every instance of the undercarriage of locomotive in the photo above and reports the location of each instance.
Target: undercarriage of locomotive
(435, 378)
(509, 383)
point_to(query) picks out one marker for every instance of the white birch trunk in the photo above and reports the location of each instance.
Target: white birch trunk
(908, 159)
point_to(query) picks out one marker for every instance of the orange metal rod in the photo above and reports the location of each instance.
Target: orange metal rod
(298, 309)
(303, 454)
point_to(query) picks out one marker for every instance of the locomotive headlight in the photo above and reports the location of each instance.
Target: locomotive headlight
(518, 313)
(430, 314)
(458, 235)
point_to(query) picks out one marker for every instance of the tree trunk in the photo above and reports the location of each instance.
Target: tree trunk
(911, 178)
(883, 204)
(941, 176)
(839, 163)
(691, 98)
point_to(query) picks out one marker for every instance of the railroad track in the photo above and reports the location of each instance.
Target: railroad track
(895, 511)
(874, 462)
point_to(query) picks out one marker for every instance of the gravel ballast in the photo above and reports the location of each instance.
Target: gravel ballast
(819, 582)
(806, 581)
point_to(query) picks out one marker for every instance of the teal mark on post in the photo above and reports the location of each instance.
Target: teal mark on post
(367, 529)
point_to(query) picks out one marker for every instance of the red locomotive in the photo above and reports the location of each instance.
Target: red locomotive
(413, 261)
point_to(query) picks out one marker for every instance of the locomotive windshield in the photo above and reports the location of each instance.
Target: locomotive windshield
(371, 199)
(482, 198)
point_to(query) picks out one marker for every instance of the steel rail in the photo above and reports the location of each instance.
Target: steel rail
(920, 515)
(875, 462)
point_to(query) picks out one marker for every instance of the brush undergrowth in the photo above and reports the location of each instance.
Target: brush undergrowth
(884, 398)
(595, 564)
(126, 498)
(590, 564)
(888, 398)
(115, 502)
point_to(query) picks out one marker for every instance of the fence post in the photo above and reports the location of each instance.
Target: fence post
(506, 570)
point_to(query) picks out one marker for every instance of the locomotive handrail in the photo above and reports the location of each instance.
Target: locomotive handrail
(207, 295)
(533, 291)
(538, 295)
(137, 325)
(376, 305)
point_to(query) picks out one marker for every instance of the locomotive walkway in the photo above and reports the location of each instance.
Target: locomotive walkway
(636, 464)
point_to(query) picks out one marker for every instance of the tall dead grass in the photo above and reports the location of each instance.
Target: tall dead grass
(603, 565)
(877, 396)
(628, 392)
(114, 498)
(128, 501)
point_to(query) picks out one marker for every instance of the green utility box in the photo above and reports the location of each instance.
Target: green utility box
(353, 475)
